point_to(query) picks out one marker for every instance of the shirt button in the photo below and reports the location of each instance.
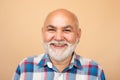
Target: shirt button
(49, 64)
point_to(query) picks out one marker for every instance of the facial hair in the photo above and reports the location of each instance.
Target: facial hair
(59, 54)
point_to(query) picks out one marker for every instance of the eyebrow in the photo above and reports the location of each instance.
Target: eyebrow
(51, 26)
(68, 26)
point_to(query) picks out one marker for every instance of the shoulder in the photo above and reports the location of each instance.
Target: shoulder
(86, 62)
(32, 59)
(28, 63)
(91, 67)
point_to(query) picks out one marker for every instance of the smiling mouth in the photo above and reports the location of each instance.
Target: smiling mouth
(58, 45)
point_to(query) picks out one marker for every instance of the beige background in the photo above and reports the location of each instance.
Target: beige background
(20, 31)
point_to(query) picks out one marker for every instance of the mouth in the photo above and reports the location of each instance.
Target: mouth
(58, 45)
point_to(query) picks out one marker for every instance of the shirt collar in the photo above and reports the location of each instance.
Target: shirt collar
(45, 61)
(75, 61)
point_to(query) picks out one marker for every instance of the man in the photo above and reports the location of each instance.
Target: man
(61, 34)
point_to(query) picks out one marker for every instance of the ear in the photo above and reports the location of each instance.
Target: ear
(79, 33)
(42, 31)
(42, 34)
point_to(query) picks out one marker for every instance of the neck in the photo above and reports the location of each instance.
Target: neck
(61, 65)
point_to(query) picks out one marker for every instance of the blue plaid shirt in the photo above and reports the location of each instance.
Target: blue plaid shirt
(40, 68)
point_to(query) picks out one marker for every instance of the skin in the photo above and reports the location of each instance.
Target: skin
(61, 25)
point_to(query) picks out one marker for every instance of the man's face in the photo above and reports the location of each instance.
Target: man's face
(60, 35)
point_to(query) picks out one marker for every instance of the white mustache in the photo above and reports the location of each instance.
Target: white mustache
(58, 43)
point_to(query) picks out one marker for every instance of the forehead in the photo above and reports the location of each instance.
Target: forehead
(60, 18)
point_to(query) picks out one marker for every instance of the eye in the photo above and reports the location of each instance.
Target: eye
(67, 30)
(51, 30)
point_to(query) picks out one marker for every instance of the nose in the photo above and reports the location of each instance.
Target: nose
(59, 36)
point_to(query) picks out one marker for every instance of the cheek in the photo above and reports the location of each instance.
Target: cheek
(47, 37)
(71, 38)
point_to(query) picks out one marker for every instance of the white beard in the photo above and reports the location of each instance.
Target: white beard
(59, 54)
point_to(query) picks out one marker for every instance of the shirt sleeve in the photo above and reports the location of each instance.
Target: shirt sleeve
(17, 74)
(102, 76)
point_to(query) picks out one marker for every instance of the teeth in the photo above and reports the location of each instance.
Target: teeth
(58, 44)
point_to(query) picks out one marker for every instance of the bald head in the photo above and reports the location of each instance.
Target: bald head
(63, 13)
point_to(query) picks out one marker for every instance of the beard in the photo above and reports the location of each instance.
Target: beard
(59, 54)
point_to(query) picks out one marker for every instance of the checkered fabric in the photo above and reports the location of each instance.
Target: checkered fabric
(40, 68)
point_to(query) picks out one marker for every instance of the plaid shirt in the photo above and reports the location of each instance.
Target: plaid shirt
(40, 68)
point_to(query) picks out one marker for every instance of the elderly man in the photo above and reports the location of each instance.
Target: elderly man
(61, 34)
